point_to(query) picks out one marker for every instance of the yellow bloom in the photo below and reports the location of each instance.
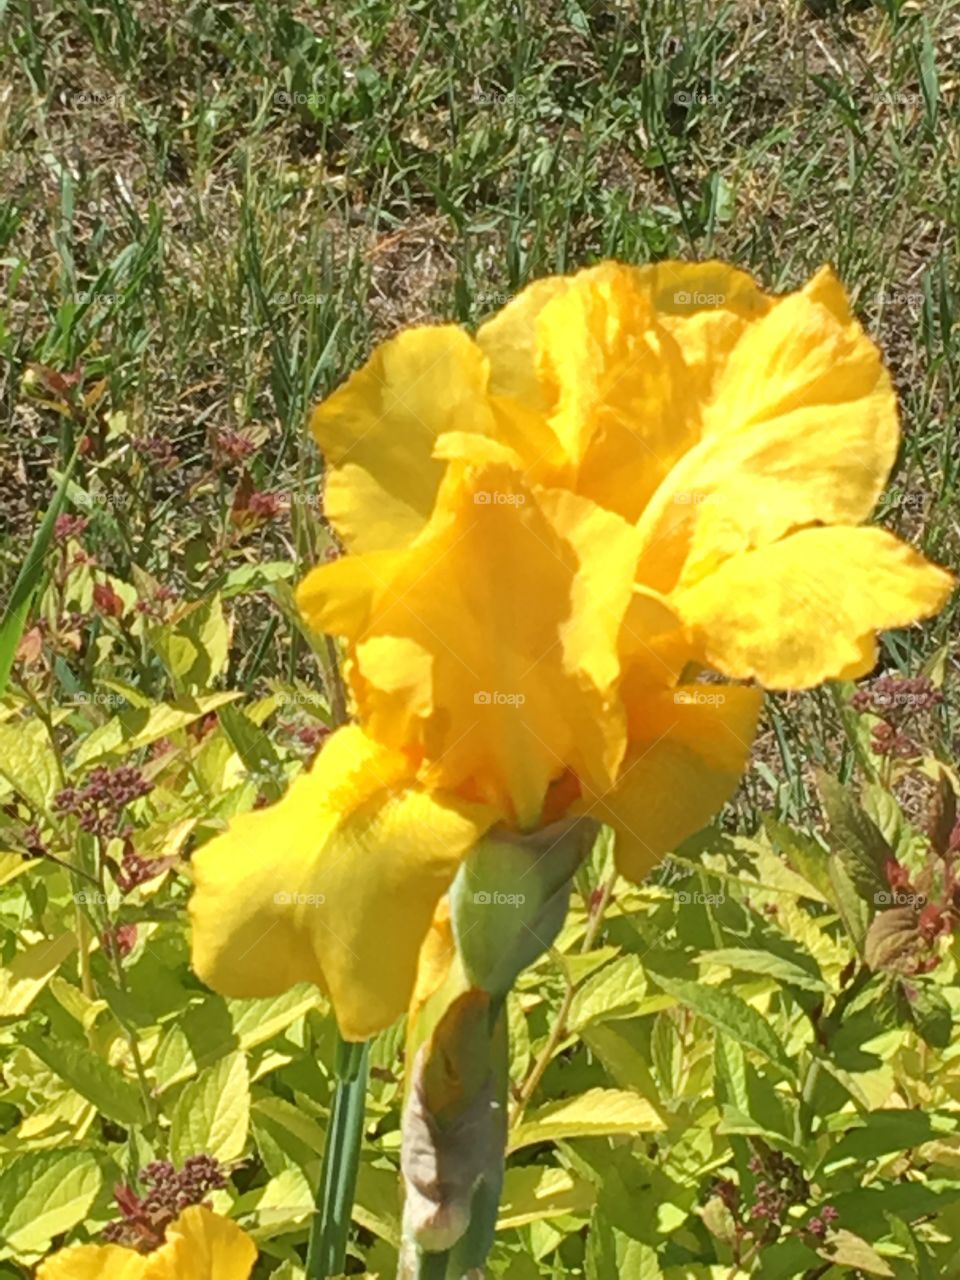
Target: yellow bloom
(629, 476)
(336, 884)
(199, 1246)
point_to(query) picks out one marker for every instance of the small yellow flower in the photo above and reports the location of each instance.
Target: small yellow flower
(628, 478)
(199, 1246)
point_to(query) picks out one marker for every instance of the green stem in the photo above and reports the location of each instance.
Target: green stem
(327, 1249)
(432, 1266)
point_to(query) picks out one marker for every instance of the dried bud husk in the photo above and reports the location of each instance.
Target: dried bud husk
(454, 1127)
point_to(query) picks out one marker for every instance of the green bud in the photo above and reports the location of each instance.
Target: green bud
(510, 898)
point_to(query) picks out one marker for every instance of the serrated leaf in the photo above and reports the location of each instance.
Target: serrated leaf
(215, 1027)
(615, 992)
(927, 1008)
(844, 1249)
(87, 1074)
(139, 726)
(893, 938)
(596, 1113)
(42, 1195)
(212, 1115)
(731, 1015)
(28, 761)
(856, 839)
(883, 1132)
(768, 965)
(532, 1193)
(195, 648)
(22, 980)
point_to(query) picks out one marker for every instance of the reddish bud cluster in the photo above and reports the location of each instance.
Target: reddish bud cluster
(119, 940)
(230, 447)
(107, 601)
(68, 526)
(144, 1219)
(98, 804)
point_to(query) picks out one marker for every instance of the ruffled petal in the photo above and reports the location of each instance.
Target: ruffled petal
(93, 1262)
(202, 1246)
(491, 646)
(378, 432)
(689, 748)
(806, 609)
(335, 884)
(800, 427)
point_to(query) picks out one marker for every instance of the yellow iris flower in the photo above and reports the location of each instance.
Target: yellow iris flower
(199, 1246)
(628, 477)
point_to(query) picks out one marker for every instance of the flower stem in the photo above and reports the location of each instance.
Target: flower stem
(432, 1266)
(327, 1249)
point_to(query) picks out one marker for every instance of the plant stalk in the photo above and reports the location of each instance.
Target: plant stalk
(327, 1248)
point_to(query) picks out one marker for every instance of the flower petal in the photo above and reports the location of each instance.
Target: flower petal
(689, 748)
(93, 1262)
(800, 427)
(806, 609)
(379, 429)
(509, 605)
(336, 884)
(202, 1246)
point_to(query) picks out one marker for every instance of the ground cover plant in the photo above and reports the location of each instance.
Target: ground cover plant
(737, 1060)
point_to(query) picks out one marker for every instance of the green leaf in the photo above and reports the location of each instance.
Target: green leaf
(22, 980)
(254, 577)
(613, 1255)
(28, 761)
(844, 1249)
(42, 1195)
(615, 992)
(139, 726)
(87, 1073)
(195, 649)
(879, 1133)
(768, 965)
(893, 938)
(532, 1193)
(255, 750)
(595, 1113)
(215, 1027)
(731, 1015)
(28, 579)
(856, 839)
(212, 1115)
(928, 1010)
